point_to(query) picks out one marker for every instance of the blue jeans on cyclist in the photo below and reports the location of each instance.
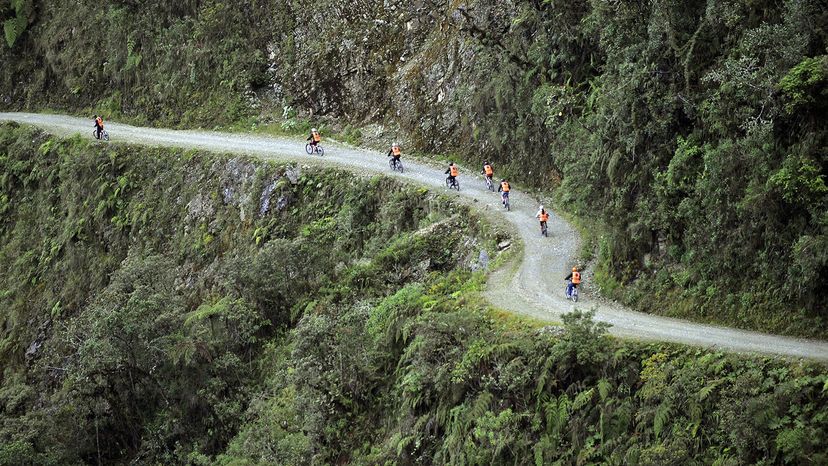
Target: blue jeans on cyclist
(569, 287)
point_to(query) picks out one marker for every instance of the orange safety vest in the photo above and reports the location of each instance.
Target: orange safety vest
(99, 120)
(489, 170)
(505, 186)
(453, 170)
(396, 150)
(316, 137)
(544, 217)
(576, 277)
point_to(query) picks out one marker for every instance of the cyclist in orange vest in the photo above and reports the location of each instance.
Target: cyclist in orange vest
(488, 171)
(543, 216)
(99, 126)
(452, 173)
(314, 138)
(573, 280)
(504, 190)
(395, 153)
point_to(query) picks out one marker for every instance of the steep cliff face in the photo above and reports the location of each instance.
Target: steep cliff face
(451, 77)
(437, 70)
(140, 286)
(176, 307)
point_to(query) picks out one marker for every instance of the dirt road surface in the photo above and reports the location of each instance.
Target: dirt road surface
(535, 287)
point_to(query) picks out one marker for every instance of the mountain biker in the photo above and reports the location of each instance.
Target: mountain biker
(452, 173)
(573, 280)
(99, 126)
(543, 216)
(504, 190)
(314, 138)
(395, 153)
(488, 171)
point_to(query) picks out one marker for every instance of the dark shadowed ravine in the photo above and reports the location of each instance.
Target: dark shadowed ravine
(534, 287)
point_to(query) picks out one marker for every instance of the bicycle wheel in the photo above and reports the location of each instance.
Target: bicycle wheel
(105, 136)
(309, 148)
(320, 151)
(400, 167)
(508, 207)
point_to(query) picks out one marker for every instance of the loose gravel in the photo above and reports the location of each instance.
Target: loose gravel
(535, 287)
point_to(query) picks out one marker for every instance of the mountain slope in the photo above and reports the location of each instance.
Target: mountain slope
(534, 290)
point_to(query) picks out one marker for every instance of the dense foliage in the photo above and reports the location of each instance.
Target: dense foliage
(174, 307)
(140, 287)
(689, 133)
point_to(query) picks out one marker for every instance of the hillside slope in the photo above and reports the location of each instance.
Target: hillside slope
(688, 136)
(171, 306)
(535, 289)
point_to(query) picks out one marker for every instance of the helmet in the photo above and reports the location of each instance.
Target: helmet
(396, 144)
(313, 130)
(541, 207)
(451, 163)
(485, 163)
(574, 269)
(502, 180)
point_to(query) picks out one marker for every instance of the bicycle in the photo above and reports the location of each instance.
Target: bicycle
(104, 135)
(452, 183)
(310, 149)
(396, 165)
(574, 295)
(489, 184)
(505, 201)
(544, 231)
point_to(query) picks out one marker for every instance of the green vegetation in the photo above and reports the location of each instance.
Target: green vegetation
(689, 134)
(142, 287)
(167, 306)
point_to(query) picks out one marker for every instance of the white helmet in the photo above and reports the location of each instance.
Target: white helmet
(396, 144)
(313, 130)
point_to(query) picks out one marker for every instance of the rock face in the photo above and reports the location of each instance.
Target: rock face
(429, 68)
(440, 75)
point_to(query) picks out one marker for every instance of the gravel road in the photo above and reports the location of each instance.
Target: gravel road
(535, 287)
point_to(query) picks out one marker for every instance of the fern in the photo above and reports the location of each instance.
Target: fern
(708, 389)
(206, 311)
(583, 399)
(604, 387)
(662, 417)
(479, 408)
(557, 414)
(12, 30)
(404, 443)
(545, 376)
(696, 412)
